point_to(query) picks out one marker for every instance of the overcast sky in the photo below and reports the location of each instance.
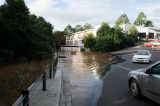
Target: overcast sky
(63, 12)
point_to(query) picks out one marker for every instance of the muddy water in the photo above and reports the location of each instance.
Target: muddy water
(83, 70)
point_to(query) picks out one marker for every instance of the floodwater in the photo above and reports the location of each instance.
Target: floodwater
(84, 72)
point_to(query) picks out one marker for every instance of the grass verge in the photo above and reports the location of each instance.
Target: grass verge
(17, 77)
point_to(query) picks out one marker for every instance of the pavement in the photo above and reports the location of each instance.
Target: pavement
(57, 91)
(130, 50)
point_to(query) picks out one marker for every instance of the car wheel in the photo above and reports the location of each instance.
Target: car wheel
(134, 88)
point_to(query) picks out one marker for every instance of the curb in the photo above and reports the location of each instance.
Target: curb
(66, 97)
(60, 88)
(123, 52)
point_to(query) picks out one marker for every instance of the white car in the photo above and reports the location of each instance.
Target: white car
(142, 56)
(155, 43)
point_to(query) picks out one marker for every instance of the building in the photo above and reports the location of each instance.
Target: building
(76, 39)
(144, 33)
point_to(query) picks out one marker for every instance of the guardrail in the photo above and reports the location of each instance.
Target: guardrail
(70, 47)
(27, 94)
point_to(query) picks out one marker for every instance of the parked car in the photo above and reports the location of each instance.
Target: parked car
(141, 56)
(147, 44)
(151, 44)
(155, 43)
(146, 82)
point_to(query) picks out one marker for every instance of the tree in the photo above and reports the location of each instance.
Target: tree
(69, 30)
(23, 36)
(141, 20)
(133, 30)
(133, 34)
(59, 38)
(89, 41)
(103, 30)
(41, 37)
(87, 26)
(82, 28)
(121, 20)
(148, 23)
(15, 18)
(78, 28)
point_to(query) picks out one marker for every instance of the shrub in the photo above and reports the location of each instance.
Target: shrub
(89, 41)
(82, 49)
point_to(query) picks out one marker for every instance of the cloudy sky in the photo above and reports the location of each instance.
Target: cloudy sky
(63, 12)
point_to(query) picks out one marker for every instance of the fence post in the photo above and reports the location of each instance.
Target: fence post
(25, 94)
(50, 71)
(54, 68)
(44, 81)
(56, 61)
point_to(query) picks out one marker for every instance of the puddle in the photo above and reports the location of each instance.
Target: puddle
(83, 70)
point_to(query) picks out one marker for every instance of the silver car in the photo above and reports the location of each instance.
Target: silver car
(146, 82)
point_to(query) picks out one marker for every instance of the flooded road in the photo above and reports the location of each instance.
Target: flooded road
(84, 72)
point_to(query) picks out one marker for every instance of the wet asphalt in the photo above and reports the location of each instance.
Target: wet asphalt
(115, 90)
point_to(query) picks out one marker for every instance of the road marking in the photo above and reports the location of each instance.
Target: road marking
(123, 67)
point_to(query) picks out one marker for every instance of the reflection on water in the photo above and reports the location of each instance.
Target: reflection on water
(82, 69)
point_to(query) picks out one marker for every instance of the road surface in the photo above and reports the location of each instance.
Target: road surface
(115, 90)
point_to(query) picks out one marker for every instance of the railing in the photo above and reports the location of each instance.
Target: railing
(27, 94)
(70, 47)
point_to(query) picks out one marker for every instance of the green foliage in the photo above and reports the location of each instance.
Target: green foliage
(113, 40)
(89, 40)
(82, 49)
(141, 20)
(59, 38)
(109, 39)
(69, 30)
(41, 37)
(103, 30)
(121, 20)
(82, 28)
(87, 26)
(103, 44)
(133, 34)
(129, 41)
(133, 30)
(148, 23)
(78, 28)
(23, 36)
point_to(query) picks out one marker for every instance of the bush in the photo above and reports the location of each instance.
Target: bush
(82, 49)
(110, 39)
(103, 44)
(89, 41)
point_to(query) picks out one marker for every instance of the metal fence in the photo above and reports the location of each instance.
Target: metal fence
(27, 94)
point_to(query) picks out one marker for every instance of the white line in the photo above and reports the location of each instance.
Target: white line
(123, 68)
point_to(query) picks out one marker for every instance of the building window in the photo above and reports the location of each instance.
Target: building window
(75, 43)
(142, 35)
(151, 35)
(158, 36)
